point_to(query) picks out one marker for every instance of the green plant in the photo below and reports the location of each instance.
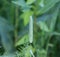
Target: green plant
(28, 26)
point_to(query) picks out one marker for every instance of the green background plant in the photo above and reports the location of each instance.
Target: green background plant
(14, 28)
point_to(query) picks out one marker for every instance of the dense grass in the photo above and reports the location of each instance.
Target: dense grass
(29, 28)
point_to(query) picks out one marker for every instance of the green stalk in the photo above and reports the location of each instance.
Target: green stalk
(52, 26)
(16, 24)
(47, 45)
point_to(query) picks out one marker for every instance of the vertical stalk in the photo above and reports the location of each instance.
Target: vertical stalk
(31, 30)
(31, 34)
(47, 46)
(16, 23)
(52, 25)
(34, 25)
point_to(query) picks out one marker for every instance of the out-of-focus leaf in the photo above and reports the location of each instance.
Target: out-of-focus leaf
(27, 53)
(41, 53)
(47, 7)
(43, 17)
(58, 23)
(26, 16)
(4, 23)
(53, 18)
(43, 26)
(23, 5)
(30, 1)
(42, 3)
(23, 40)
(20, 3)
(11, 14)
(9, 55)
(5, 36)
(50, 45)
(55, 33)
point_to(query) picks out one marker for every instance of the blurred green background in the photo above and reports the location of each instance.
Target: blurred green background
(15, 27)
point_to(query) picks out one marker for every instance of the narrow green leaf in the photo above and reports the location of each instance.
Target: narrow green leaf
(19, 3)
(30, 1)
(43, 26)
(6, 39)
(23, 40)
(47, 7)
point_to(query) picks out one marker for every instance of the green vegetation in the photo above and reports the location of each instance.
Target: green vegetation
(29, 28)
